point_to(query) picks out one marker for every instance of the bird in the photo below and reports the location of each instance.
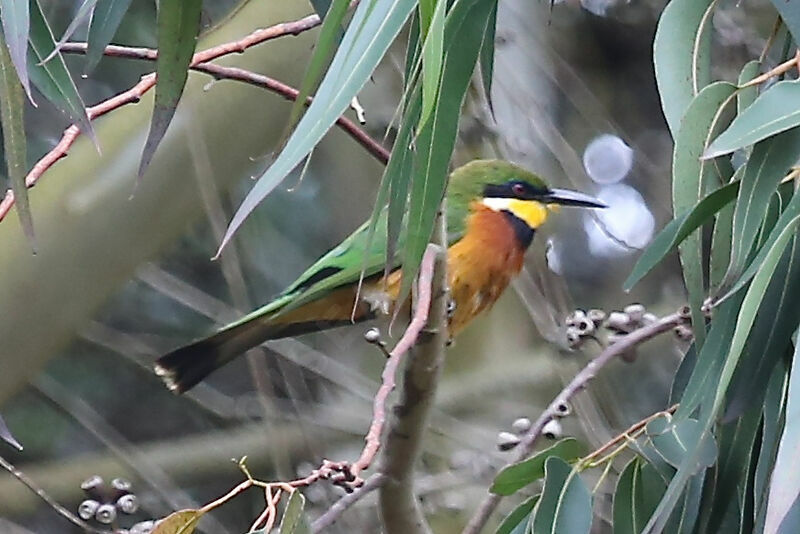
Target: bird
(494, 208)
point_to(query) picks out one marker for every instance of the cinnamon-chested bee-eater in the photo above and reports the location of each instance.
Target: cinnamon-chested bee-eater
(493, 209)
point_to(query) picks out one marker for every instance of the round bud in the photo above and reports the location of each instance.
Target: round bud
(92, 483)
(373, 335)
(507, 441)
(585, 326)
(596, 316)
(128, 504)
(143, 527)
(635, 312)
(683, 332)
(685, 312)
(563, 409)
(106, 514)
(619, 321)
(521, 425)
(87, 508)
(573, 338)
(552, 429)
(575, 317)
(649, 318)
(120, 484)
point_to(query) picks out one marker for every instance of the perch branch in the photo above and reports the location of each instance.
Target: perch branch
(346, 501)
(579, 382)
(199, 63)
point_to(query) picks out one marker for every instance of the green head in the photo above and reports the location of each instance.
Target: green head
(504, 186)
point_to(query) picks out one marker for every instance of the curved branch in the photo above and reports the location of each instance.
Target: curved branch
(579, 382)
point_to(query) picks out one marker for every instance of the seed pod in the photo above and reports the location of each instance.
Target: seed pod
(521, 425)
(552, 429)
(87, 508)
(619, 321)
(373, 335)
(596, 316)
(128, 504)
(635, 312)
(574, 339)
(106, 514)
(507, 441)
(563, 409)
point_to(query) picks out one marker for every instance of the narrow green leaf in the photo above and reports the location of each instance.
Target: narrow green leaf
(464, 28)
(426, 9)
(12, 119)
(85, 10)
(432, 59)
(681, 54)
(639, 488)
(566, 503)
(778, 317)
(106, 18)
(15, 15)
(678, 229)
(329, 34)
(684, 517)
(784, 486)
(645, 449)
(768, 164)
(691, 179)
(53, 78)
(790, 13)
(517, 476)
(518, 516)
(745, 97)
(674, 439)
(774, 411)
(294, 521)
(792, 211)
(372, 30)
(178, 26)
(721, 243)
(776, 110)
(487, 57)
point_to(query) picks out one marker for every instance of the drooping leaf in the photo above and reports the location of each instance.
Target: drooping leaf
(7, 436)
(681, 54)
(464, 29)
(12, 109)
(487, 57)
(784, 486)
(745, 97)
(774, 411)
(776, 110)
(329, 34)
(674, 439)
(294, 520)
(790, 13)
(106, 18)
(678, 229)
(178, 26)
(180, 522)
(722, 240)
(84, 11)
(517, 476)
(517, 519)
(15, 15)
(372, 29)
(692, 179)
(766, 167)
(566, 504)
(432, 61)
(53, 78)
(639, 488)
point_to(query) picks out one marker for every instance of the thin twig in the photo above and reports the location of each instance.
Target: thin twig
(42, 494)
(578, 383)
(373, 437)
(199, 63)
(332, 514)
(777, 71)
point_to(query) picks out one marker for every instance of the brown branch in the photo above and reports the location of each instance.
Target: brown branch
(42, 494)
(346, 501)
(579, 382)
(199, 63)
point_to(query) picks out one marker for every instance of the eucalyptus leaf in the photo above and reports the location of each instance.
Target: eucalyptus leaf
(790, 13)
(681, 54)
(674, 439)
(774, 111)
(15, 17)
(294, 520)
(638, 490)
(518, 517)
(566, 503)
(178, 26)
(515, 477)
(106, 18)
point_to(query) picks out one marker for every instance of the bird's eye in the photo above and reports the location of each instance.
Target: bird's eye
(518, 189)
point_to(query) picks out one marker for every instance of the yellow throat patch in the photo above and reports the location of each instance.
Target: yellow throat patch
(534, 213)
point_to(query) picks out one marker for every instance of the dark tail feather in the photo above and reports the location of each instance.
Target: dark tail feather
(184, 368)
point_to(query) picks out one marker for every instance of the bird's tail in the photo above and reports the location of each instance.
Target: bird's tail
(185, 367)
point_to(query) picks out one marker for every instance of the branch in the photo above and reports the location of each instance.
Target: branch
(345, 502)
(199, 63)
(579, 382)
(35, 488)
(400, 512)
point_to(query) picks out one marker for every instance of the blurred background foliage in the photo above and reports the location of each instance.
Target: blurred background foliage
(574, 99)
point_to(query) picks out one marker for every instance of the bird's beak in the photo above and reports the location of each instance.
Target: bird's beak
(565, 197)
